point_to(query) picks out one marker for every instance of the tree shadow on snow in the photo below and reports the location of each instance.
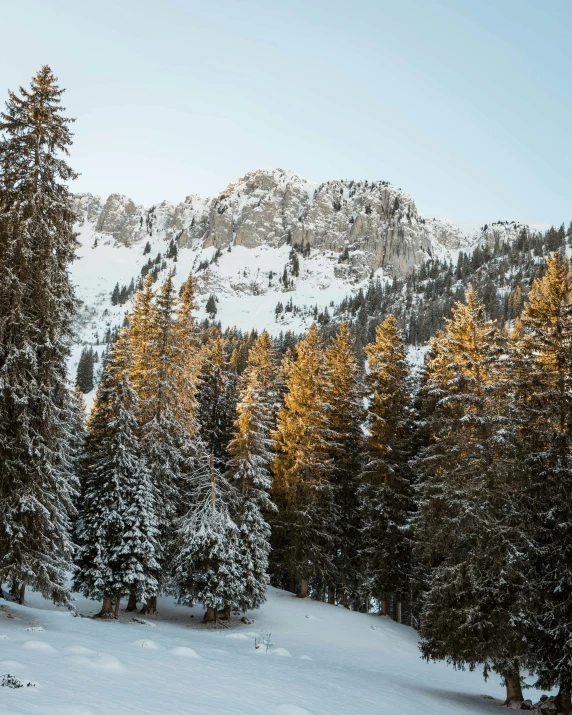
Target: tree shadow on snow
(472, 701)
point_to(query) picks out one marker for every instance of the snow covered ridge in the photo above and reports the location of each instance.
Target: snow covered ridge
(274, 207)
(239, 244)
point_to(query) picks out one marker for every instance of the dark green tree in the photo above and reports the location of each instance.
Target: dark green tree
(37, 244)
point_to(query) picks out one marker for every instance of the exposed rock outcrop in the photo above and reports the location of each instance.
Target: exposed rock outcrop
(376, 221)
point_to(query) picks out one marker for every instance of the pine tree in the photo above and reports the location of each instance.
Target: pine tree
(142, 321)
(84, 375)
(77, 434)
(217, 397)
(344, 418)
(302, 541)
(470, 534)
(210, 307)
(187, 360)
(206, 563)
(543, 375)
(249, 469)
(37, 244)
(386, 491)
(163, 438)
(117, 531)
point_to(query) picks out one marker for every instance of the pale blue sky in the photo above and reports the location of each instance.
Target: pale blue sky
(466, 105)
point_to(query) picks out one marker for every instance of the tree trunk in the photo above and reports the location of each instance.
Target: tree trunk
(106, 609)
(131, 603)
(398, 611)
(513, 688)
(303, 593)
(21, 594)
(211, 616)
(384, 607)
(332, 595)
(344, 599)
(150, 605)
(564, 702)
(224, 615)
(117, 602)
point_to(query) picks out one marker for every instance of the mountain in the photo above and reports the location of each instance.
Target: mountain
(376, 221)
(275, 250)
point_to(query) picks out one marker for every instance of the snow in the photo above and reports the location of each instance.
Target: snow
(321, 659)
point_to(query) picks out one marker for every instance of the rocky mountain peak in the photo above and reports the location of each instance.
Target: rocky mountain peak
(375, 222)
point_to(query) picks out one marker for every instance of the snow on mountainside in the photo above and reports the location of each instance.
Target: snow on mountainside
(238, 244)
(320, 660)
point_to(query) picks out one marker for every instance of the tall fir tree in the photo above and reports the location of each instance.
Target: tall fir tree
(37, 245)
(84, 376)
(217, 397)
(471, 535)
(187, 360)
(117, 531)
(386, 491)
(156, 369)
(543, 378)
(249, 469)
(77, 433)
(302, 539)
(344, 417)
(206, 564)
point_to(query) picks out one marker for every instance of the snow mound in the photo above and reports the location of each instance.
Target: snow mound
(38, 645)
(185, 652)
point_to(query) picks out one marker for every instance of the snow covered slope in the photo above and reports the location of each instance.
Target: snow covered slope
(322, 660)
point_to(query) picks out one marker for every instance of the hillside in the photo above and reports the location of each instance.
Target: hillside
(322, 660)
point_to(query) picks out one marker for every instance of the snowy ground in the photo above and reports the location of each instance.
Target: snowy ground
(322, 660)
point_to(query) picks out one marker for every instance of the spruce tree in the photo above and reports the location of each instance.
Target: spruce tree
(302, 538)
(249, 469)
(217, 397)
(84, 375)
(37, 244)
(187, 360)
(117, 531)
(206, 561)
(343, 418)
(77, 434)
(156, 365)
(386, 491)
(543, 378)
(470, 529)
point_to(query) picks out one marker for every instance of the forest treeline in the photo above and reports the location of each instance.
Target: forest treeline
(213, 464)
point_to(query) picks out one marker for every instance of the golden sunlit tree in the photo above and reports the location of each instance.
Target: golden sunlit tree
(302, 540)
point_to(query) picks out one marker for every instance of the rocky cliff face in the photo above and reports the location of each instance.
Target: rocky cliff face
(377, 223)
